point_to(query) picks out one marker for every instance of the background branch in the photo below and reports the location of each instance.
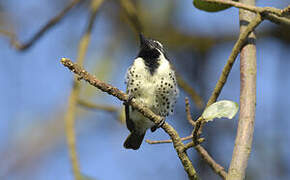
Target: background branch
(196, 98)
(211, 162)
(90, 105)
(248, 73)
(51, 23)
(131, 13)
(74, 96)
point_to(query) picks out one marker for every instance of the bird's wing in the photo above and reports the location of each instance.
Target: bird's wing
(129, 122)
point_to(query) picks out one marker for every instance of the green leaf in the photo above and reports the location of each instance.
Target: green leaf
(209, 7)
(220, 109)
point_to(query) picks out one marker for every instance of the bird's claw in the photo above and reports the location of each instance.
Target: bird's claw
(156, 126)
(128, 101)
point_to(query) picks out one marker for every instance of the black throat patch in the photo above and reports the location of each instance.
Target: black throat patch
(151, 59)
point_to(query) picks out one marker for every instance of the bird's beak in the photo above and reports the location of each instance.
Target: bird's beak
(143, 41)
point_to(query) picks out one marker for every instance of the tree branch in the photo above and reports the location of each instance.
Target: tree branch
(275, 15)
(235, 51)
(276, 19)
(177, 143)
(190, 91)
(131, 14)
(97, 106)
(51, 23)
(188, 115)
(248, 73)
(227, 68)
(222, 80)
(211, 162)
(202, 152)
(168, 140)
(74, 96)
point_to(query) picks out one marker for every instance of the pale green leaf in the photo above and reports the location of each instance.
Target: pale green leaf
(209, 7)
(220, 109)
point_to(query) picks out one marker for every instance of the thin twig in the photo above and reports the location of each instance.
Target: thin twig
(248, 76)
(74, 96)
(278, 16)
(167, 141)
(248, 7)
(227, 68)
(51, 23)
(177, 143)
(192, 144)
(190, 91)
(187, 109)
(97, 106)
(131, 14)
(276, 19)
(235, 51)
(211, 162)
(197, 130)
(189, 145)
(286, 11)
(202, 152)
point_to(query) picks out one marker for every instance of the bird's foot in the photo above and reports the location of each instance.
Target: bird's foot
(156, 126)
(128, 101)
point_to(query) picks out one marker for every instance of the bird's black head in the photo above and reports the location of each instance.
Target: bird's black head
(150, 50)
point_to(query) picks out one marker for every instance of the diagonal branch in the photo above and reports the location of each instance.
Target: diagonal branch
(177, 143)
(227, 68)
(235, 51)
(51, 23)
(131, 13)
(211, 162)
(190, 91)
(90, 105)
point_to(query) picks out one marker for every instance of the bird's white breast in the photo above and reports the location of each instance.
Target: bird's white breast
(157, 91)
(147, 80)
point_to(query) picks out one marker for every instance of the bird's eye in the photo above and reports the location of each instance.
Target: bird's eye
(158, 44)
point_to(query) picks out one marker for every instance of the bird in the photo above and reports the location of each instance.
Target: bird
(150, 81)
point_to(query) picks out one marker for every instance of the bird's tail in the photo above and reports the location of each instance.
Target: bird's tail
(134, 141)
